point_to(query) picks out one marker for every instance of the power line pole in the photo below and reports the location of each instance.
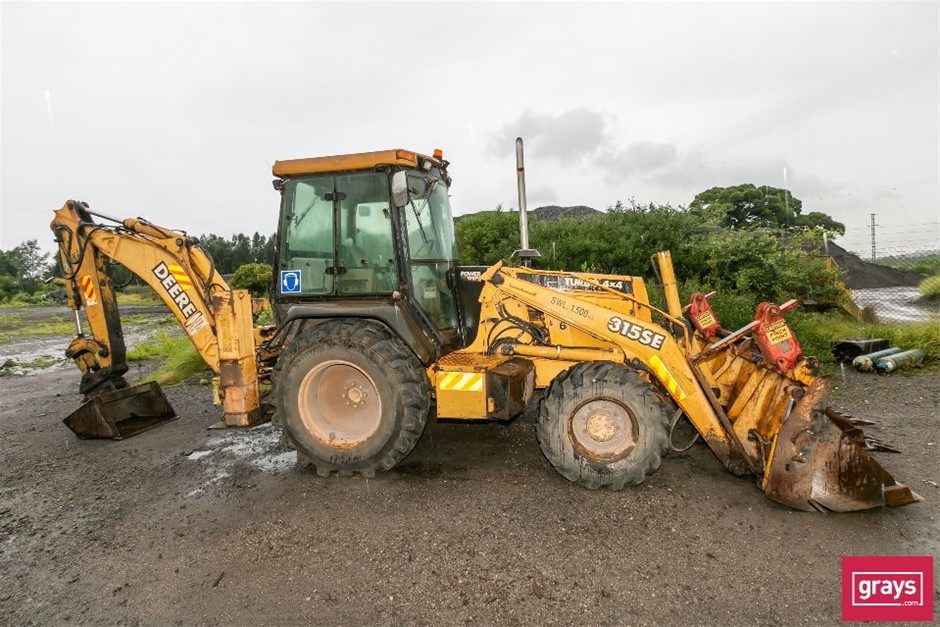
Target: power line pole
(872, 237)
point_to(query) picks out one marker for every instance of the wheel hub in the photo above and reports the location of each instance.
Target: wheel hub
(603, 430)
(601, 427)
(339, 404)
(355, 396)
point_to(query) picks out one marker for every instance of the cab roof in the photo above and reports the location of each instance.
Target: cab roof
(356, 161)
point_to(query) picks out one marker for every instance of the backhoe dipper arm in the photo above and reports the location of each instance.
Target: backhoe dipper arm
(216, 319)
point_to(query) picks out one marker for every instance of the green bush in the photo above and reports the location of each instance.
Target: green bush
(486, 237)
(930, 287)
(24, 298)
(254, 277)
(179, 356)
(755, 261)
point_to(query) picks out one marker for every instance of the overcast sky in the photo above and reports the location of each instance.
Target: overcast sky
(176, 111)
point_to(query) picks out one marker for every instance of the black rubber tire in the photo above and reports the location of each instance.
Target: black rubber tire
(400, 378)
(603, 381)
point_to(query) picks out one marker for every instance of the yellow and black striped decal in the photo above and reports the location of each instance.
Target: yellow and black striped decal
(88, 286)
(180, 275)
(461, 382)
(663, 374)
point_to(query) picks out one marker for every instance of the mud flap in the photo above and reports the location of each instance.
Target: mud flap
(122, 413)
(819, 463)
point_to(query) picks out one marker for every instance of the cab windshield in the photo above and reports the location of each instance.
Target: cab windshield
(430, 224)
(432, 247)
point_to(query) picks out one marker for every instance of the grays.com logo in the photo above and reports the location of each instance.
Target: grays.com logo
(887, 588)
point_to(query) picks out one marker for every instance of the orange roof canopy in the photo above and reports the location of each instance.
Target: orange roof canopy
(345, 163)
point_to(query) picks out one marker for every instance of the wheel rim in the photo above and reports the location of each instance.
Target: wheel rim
(339, 404)
(603, 430)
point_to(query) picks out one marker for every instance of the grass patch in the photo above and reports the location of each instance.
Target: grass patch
(816, 331)
(179, 356)
(930, 287)
(9, 304)
(22, 367)
(139, 299)
(40, 363)
(132, 320)
(13, 326)
(138, 295)
(10, 320)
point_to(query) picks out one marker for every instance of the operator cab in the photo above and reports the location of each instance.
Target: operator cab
(361, 228)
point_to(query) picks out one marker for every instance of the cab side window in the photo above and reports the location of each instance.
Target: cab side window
(309, 229)
(366, 244)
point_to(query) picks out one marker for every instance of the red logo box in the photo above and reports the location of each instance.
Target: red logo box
(889, 588)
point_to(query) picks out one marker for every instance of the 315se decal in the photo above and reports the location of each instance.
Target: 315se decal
(635, 332)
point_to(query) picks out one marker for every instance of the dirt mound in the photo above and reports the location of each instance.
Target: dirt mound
(861, 274)
(551, 213)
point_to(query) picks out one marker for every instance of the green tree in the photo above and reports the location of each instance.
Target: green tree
(239, 249)
(22, 270)
(30, 259)
(748, 205)
(262, 248)
(815, 220)
(26, 264)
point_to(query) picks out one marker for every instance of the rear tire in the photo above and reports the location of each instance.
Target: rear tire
(351, 397)
(602, 425)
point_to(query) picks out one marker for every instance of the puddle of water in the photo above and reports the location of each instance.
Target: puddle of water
(896, 304)
(260, 447)
(210, 481)
(281, 461)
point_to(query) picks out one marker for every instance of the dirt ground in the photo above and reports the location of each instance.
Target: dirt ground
(181, 525)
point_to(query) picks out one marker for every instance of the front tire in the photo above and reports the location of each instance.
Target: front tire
(351, 397)
(602, 425)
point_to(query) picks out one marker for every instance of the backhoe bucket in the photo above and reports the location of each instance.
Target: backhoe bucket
(121, 414)
(819, 462)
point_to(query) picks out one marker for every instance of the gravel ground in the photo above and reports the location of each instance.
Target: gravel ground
(181, 525)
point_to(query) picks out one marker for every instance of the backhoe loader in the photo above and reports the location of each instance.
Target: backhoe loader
(379, 329)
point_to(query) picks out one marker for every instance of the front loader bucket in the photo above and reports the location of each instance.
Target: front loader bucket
(818, 462)
(121, 414)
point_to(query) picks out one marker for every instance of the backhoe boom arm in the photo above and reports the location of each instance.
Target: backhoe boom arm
(216, 318)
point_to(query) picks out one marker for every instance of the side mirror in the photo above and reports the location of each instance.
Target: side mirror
(399, 189)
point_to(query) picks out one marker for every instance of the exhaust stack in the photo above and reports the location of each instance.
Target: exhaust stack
(524, 253)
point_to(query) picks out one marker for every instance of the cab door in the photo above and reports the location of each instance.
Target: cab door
(307, 257)
(365, 249)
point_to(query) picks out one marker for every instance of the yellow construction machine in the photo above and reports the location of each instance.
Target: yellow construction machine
(378, 329)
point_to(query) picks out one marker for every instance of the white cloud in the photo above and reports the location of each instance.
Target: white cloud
(175, 110)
